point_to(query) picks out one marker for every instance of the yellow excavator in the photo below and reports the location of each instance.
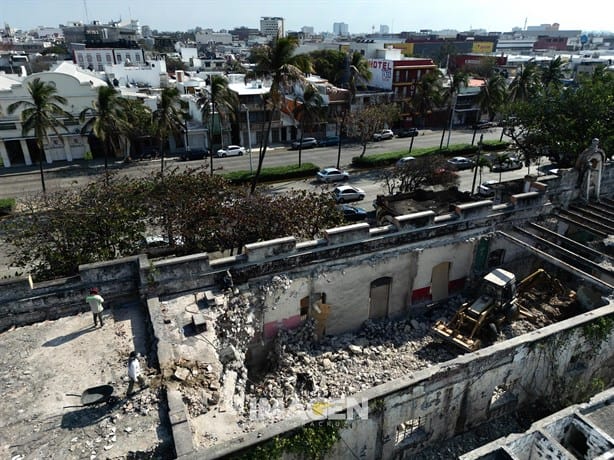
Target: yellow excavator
(497, 303)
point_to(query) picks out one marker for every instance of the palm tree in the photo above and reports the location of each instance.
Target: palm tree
(106, 117)
(276, 62)
(552, 74)
(492, 95)
(359, 72)
(459, 80)
(524, 83)
(41, 115)
(308, 111)
(221, 100)
(168, 118)
(428, 95)
(137, 125)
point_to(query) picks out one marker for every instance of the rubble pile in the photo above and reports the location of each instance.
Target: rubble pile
(342, 365)
(198, 383)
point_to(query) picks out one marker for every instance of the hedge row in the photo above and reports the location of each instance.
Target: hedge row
(274, 174)
(389, 158)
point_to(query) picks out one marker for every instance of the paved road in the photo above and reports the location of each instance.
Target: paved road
(23, 180)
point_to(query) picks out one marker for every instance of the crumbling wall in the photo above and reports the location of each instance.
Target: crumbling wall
(550, 366)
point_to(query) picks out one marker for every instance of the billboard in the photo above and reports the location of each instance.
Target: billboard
(482, 47)
(381, 73)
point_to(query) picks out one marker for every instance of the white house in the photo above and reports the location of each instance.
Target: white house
(78, 87)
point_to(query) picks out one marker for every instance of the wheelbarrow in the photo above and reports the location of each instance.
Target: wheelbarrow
(95, 395)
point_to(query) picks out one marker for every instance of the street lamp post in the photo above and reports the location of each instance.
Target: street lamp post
(249, 137)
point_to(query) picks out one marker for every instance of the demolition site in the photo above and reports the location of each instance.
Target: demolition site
(489, 326)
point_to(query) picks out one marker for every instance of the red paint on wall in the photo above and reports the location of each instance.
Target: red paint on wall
(271, 329)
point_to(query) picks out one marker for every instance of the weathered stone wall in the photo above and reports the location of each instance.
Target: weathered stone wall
(553, 365)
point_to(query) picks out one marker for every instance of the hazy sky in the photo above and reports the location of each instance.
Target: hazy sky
(360, 15)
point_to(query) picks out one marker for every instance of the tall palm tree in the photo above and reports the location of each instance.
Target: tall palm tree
(218, 99)
(492, 95)
(359, 72)
(106, 117)
(428, 95)
(459, 80)
(276, 62)
(41, 115)
(553, 73)
(524, 83)
(308, 111)
(138, 124)
(168, 118)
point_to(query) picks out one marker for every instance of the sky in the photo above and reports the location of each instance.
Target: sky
(362, 16)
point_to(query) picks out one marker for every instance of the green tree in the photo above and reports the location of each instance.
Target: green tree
(364, 123)
(561, 124)
(429, 94)
(413, 175)
(104, 119)
(552, 74)
(137, 126)
(42, 114)
(217, 99)
(276, 62)
(61, 230)
(330, 64)
(359, 72)
(525, 84)
(307, 111)
(492, 95)
(168, 118)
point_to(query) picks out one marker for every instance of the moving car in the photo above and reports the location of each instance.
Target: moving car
(308, 143)
(332, 175)
(353, 213)
(407, 132)
(508, 164)
(193, 154)
(328, 141)
(405, 160)
(485, 188)
(383, 135)
(459, 163)
(347, 193)
(231, 150)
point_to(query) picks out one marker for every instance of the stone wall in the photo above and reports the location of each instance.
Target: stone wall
(554, 365)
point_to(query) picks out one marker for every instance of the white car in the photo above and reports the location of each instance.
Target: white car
(347, 193)
(485, 188)
(383, 134)
(230, 151)
(332, 175)
(404, 161)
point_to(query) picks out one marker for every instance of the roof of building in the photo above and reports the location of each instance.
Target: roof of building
(83, 76)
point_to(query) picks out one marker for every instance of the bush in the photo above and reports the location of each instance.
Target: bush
(7, 206)
(274, 174)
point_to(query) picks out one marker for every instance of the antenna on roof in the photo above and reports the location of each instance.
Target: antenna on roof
(87, 19)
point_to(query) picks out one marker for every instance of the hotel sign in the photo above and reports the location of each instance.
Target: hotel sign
(381, 73)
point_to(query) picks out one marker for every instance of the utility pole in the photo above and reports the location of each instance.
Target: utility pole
(477, 163)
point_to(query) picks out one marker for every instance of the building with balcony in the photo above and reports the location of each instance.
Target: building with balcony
(272, 27)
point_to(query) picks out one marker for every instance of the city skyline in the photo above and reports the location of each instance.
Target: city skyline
(361, 16)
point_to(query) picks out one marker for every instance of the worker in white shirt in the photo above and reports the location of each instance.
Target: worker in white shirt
(134, 373)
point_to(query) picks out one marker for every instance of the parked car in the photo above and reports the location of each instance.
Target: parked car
(347, 193)
(405, 160)
(308, 143)
(332, 175)
(328, 141)
(193, 154)
(459, 163)
(383, 135)
(508, 164)
(484, 125)
(353, 213)
(230, 151)
(485, 188)
(407, 132)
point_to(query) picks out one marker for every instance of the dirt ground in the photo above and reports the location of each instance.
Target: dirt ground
(45, 368)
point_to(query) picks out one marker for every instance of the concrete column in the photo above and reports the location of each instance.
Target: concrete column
(598, 184)
(67, 150)
(26, 152)
(588, 184)
(4, 155)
